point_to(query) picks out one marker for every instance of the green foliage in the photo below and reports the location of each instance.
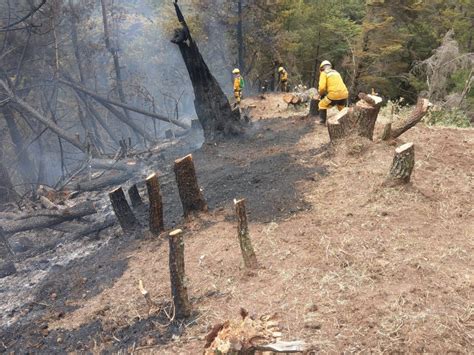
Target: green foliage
(449, 117)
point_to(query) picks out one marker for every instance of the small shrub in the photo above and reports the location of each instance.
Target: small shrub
(448, 117)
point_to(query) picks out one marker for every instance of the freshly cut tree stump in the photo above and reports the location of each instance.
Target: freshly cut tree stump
(357, 120)
(156, 204)
(250, 260)
(190, 194)
(179, 290)
(135, 196)
(402, 165)
(416, 115)
(122, 210)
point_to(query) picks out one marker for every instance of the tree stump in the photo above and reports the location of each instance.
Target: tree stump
(122, 210)
(156, 204)
(190, 194)
(313, 107)
(135, 196)
(357, 120)
(248, 254)
(179, 290)
(402, 165)
(420, 110)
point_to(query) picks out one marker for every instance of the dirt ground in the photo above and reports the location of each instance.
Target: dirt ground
(348, 265)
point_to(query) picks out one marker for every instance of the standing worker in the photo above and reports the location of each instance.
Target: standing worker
(283, 79)
(332, 90)
(238, 85)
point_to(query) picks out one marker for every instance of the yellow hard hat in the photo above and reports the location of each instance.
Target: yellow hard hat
(236, 71)
(325, 62)
(280, 69)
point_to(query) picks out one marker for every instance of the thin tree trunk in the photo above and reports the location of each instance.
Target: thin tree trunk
(156, 205)
(122, 210)
(182, 306)
(248, 254)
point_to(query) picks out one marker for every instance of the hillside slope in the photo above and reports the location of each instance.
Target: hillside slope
(346, 264)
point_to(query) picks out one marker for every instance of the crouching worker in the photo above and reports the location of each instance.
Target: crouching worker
(332, 90)
(238, 85)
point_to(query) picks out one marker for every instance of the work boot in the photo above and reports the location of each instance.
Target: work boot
(322, 116)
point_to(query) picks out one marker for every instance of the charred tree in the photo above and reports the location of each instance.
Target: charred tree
(402, 165)
(156, 204)
(122, 210)
(7, 192)
(357, 120)
(182, 306)
(135, 197)
(248, 254)
(190, 194)
(212, 106)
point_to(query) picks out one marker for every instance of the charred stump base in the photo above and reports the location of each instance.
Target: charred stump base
(402, 166)
(313, 108)
(156, 204)
(179, 290)
(248, 254)
(122, 210)
(190, 194)
(357, 120)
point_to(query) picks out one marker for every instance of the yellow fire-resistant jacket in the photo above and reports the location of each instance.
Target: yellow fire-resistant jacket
(332, 85)
(284, 76)
(237, 83)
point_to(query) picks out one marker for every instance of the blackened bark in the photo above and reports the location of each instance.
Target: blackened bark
(212, 106)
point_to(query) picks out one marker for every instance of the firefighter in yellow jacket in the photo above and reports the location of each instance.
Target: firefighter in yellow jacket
(238, 85)
(283, 79)
(332, 90)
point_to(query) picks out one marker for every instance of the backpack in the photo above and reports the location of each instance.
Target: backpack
(242, 83)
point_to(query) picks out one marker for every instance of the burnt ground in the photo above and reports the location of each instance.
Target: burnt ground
(347, 265)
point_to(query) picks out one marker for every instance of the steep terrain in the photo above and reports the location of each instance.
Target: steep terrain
(347, 264)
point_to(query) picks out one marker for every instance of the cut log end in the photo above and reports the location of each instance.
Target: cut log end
(176, 233)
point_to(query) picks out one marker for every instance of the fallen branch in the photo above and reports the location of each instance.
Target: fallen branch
(68, 214)
(420, 110)
(93, 228)
(102, 182)
(103, 99)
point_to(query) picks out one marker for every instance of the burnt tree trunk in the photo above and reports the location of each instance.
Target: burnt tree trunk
(420, 110)
(156, 204)
(179, 290)
(357, 120)
(134, 195)
(402, 165)
(122, 210)
(248, 254)
(212, 106)
(190, 194)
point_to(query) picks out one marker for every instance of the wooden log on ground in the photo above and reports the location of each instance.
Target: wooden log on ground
(357, 120)
(248, 253)
(54, 218)
(179, 290)
(420, 110)
(402, 165)
(102, 182)
(122, 210)
(135, 197)
(156, 204)
(190, 194)
(95, 227)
